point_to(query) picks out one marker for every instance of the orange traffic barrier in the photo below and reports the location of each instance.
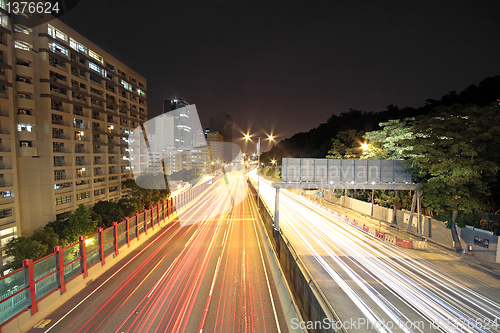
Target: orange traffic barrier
(407, 244)
(380, 235)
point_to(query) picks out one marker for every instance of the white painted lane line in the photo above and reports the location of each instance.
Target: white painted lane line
(265, 271)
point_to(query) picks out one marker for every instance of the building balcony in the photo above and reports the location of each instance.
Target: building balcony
(24, 71)
(59, 108)
(60, 136)
(83, 174)
(61, 150)
(82, 151)
(60, 65)
(60, 123)
(19, 36)
(62, 164)
(62, 177)
(25, 87)
(25, 103)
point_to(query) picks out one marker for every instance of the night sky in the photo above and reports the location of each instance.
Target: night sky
(286, 66)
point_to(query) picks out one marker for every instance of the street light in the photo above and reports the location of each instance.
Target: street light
(365, 146)
(270, 138)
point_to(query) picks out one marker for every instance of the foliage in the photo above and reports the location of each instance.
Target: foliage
(346, 145)
(457, 151)
(50, 238)
(317, 141)
(109, 212)
(462, 219)
(147, 197)
(81, 223)
(387, 143)
(272, 172)
(24, 248)
(129, 206)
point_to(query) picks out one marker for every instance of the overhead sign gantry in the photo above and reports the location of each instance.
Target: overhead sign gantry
(342, 174)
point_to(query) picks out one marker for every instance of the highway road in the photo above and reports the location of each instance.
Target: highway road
(205, 272)
(377, 287)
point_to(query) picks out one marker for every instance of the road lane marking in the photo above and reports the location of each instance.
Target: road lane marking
(102, 284)
(140, 284)
(166, 272)
(224, 238)
(265, 271)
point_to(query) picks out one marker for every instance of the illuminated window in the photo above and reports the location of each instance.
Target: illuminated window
(95, 68)
(94, 55)
(100, 191)
(55, 47)
(5, 194)
(24, 127)
(22, 45)
(56, 33)
(8, 231)
(22, 28)
(62, 185)
(63, 200)
(83, 195)
(77, 46)
(4, 20)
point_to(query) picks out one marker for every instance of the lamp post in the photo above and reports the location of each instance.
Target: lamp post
(270, 138)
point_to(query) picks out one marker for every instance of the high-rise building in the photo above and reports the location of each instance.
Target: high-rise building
(223, 124)
(214, 140)
(164, 134)
(66, 109)
(187, 130)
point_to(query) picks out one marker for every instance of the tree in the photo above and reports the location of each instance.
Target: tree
(109, 212)
(48, 237)
(130, 206)
(346, 145)
(24, 248)
(457, 151)
(81, 223)
(147, 195)
(387, 143)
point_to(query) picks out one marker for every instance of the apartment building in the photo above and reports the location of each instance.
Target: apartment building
(214, 140)
(66, 109)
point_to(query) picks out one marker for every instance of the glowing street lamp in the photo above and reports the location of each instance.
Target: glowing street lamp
(365, 146)
(270, 138)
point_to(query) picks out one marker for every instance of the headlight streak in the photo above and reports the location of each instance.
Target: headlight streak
(440, 300)
(185, 267)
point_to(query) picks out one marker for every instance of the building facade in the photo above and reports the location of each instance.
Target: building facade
(66, 109)
(214, 140)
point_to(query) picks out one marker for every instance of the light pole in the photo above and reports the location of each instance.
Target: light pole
(270, 138)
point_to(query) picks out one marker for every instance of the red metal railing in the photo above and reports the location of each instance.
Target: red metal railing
(71, 261)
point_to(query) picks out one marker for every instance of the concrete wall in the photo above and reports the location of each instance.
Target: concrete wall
(432, 229)
(490, 253)
(306, 294)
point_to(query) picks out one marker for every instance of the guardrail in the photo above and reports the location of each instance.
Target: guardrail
(22, 289)
(309, 298)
